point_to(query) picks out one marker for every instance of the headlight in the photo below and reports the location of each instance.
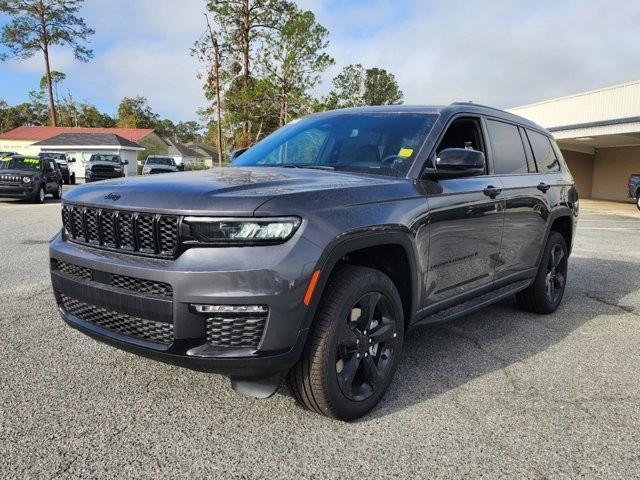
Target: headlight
(237, 231)
(26, 179)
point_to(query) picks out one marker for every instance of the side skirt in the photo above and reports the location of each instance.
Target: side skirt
(473, 304)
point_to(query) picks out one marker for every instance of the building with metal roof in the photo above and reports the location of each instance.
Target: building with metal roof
(599, 134)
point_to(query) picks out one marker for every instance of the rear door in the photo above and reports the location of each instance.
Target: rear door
(465, 223)
(526, 206)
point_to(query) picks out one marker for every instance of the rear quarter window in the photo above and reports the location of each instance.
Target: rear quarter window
(507, 148)
(544, 153)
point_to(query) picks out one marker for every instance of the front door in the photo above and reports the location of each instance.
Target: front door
(465, 224)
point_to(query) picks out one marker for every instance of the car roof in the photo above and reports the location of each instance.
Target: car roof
(447, 110)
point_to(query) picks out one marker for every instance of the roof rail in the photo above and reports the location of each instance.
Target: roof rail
(478, 105)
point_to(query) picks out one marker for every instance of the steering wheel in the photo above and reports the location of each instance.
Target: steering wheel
(393, 160)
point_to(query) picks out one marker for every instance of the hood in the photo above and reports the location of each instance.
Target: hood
(221, 191)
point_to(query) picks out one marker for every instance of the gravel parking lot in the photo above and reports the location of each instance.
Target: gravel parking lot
(500, 393)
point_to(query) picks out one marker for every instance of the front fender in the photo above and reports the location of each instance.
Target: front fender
(358, 240)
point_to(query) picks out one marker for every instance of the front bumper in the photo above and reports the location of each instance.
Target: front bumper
(198, 276)
(22, 191)
(97, 176)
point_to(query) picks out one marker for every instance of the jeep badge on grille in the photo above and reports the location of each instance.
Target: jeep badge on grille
(112, 196)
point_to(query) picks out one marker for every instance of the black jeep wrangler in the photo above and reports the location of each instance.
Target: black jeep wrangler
(320, 247)
(29, 178)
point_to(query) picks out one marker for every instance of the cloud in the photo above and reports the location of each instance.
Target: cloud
(500, 52)
(503, 53)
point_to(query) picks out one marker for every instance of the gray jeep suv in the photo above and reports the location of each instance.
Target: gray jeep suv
(320, 247)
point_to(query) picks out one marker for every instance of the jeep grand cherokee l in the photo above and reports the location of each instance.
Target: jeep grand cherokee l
(315, 252)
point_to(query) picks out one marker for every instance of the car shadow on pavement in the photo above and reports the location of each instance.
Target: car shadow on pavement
(442, 357)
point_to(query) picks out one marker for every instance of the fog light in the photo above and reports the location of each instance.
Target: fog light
(230, 308)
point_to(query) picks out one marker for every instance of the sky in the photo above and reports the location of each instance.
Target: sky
(503, 53)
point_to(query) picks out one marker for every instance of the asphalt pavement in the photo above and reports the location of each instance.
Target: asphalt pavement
(498, 394)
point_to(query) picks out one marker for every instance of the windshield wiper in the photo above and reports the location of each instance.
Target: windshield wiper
(314, 167)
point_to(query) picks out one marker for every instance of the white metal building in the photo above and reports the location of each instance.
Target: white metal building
(599, 134)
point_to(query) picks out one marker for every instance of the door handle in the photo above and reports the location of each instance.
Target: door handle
(543, 187)
(491, 191)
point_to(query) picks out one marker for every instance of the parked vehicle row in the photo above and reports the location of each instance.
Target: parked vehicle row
(104, 167)
(30, 178)
(320, 247)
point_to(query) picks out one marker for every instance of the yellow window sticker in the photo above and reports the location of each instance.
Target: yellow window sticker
(405, 152)
(5, 159)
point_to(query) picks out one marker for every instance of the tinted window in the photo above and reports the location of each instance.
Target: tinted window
(508, 152)
(543, 152)
(383, 144)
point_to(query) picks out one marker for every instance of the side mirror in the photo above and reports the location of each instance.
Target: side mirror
(236, 153)
(47, 168)
(458, 162)
(72, 160)
(125, 162)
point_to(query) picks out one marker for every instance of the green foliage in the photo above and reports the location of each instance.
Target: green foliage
(136, 113)
(37, 24)
(293, 59)
(355, 87)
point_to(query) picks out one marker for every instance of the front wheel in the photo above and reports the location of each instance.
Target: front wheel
(355, 345)
(39, 195)
(638, 200)
(546, 292)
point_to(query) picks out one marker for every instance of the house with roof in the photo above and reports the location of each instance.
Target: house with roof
(188, 155)
(210, 154)
(22, 139)
(80, 146)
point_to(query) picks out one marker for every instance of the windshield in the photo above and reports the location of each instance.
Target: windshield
(383, 144)
(56, 156)
(104, 158)
(13, 163)
(160, 160)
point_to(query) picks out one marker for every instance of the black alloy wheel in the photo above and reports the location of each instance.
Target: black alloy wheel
(556, 276)
(366, 346)
(354, 346)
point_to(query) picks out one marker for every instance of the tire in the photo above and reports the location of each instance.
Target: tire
(343, 373)
(546, 292)
(638, 200)
(40, 195)
(58, 193)
(72, 179)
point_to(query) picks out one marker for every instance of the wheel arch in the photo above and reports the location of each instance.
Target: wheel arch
(373, 249)
(562, 221)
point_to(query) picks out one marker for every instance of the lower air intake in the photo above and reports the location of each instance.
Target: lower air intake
(141, 328)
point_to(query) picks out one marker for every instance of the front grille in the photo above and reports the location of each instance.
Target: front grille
(139, 285)
(102, 169)
(119, 322)
(142, 233)
(74, 270)
(10, 178)
(235, 329)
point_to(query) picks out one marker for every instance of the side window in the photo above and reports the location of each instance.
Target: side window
(543, 152)
(508, 151)
(463, 133)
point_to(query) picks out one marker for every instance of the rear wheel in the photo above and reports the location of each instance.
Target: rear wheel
(355, 345)
(547, 290)
(638, 200)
